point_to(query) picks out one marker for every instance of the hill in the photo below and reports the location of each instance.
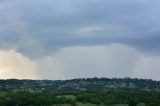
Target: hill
(80, 84)
(80, 92)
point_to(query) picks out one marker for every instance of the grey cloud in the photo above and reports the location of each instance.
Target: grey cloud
(89, 62)
(37, 28)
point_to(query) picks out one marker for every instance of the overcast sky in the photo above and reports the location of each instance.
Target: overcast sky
(64, 39)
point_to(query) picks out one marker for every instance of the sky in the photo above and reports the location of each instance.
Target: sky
(65, 39)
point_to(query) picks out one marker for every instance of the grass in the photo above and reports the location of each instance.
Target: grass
(67, 96)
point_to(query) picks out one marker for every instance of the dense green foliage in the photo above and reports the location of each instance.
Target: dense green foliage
(108, 97)
(79, 91)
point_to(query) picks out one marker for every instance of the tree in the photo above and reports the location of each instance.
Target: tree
(132, 102)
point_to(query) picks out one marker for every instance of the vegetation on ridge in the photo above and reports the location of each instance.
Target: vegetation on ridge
(89, 91)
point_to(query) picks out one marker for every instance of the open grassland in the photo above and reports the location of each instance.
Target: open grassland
(72, 97)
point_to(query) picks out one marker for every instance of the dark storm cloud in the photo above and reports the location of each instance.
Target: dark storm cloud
(38, 28)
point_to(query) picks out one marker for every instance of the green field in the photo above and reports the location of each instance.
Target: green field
(67, 96)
